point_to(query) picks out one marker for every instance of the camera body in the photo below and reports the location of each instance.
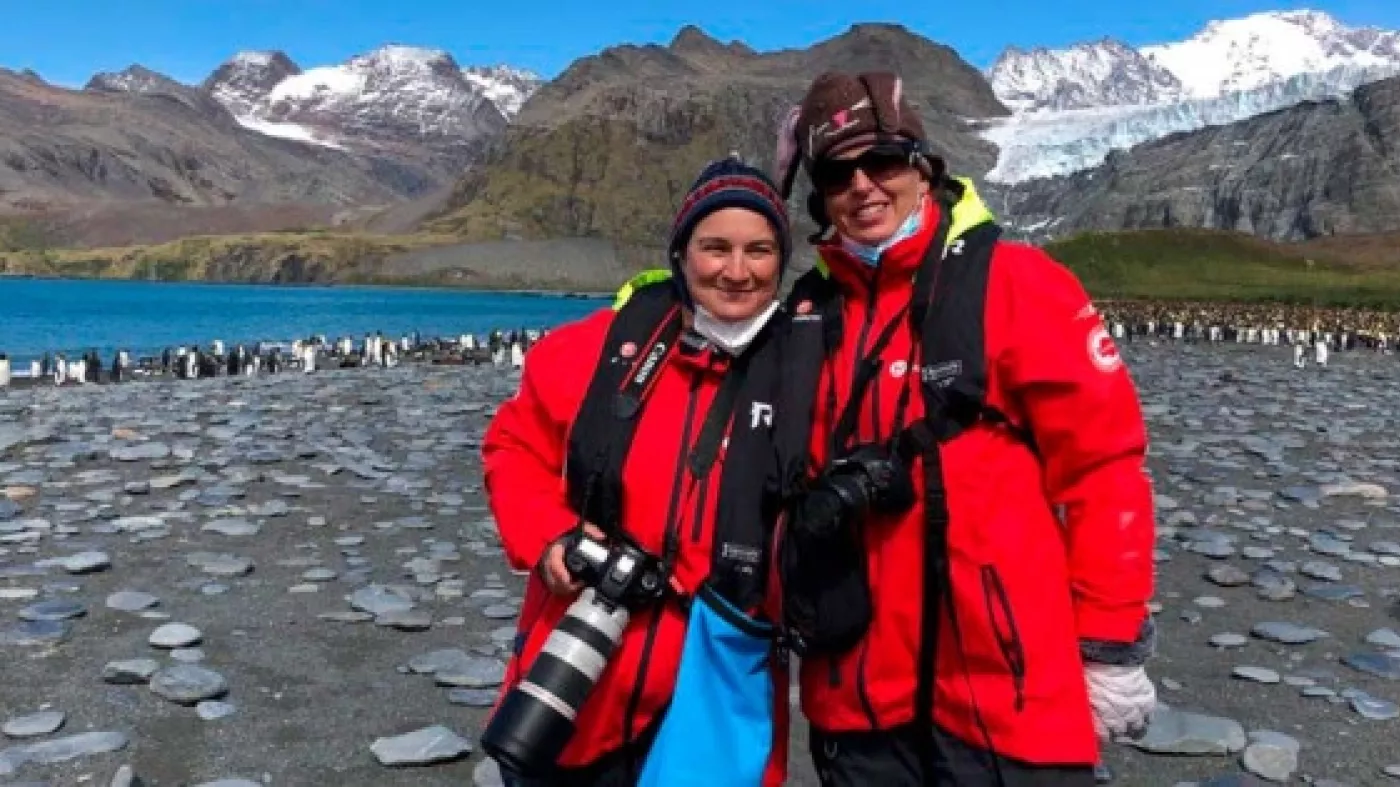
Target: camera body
(535, 720)
(870, 478)
(621, 573)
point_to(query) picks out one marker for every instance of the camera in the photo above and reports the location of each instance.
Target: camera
(536, 718)
(869, 479)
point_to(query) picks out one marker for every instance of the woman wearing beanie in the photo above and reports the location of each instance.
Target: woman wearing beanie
(648, 426)
(994, 626)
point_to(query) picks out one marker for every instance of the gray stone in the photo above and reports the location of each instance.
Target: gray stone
(473, 698)
(213, 710)
(188, 684)
(52, 610)
(1384, 638)
(140, 452)
(405, 620)
(421, 747)
(1272, 758)
(488, 774)
(58, 750)
(1374, 708)
(130, 671)
(1177, 732)
(1227, 576)
(1318, 569)
(1378, 664)
(430, 663)
(232, 527)
(475, 673)
(1228, 640)
(124, 777)
(175, 635)
(1256, 674)
(379, 600)
(86, 562)
(31, 633)
(1288, 633)
(34, 725)
(131, 601)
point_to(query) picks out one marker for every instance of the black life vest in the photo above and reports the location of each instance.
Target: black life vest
(948, 317)
(644, 331)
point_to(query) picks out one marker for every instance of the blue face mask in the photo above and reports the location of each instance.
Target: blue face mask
(870, 255)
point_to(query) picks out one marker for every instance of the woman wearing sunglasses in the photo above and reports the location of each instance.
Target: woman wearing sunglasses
(994, 625)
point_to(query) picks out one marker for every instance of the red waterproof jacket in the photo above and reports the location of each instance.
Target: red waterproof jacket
(524, 452)
(1042, 552)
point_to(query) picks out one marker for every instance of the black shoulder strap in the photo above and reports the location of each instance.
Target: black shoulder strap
(641, 335)
(811, 331)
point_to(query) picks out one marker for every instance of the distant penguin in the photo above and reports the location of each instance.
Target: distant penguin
(219, 348)
(60, 370)
(4, 371)
(1320, 350)
(1300, 358)
(308, 358)
(517, 355)
(35, 371)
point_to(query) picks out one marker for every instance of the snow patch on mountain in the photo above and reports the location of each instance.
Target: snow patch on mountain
(292, 131)
(506, 87)
(1102, 73)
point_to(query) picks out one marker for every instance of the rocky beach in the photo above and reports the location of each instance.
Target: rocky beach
(295, 580)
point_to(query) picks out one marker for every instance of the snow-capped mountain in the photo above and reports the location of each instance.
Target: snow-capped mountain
(1264, 49)
(384, 98)
(134, 79)
(1076, 105)
(1102, 73)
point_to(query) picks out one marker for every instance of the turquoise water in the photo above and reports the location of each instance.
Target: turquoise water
(40, 315)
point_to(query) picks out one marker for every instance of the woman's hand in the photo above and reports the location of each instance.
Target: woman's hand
(555, 574)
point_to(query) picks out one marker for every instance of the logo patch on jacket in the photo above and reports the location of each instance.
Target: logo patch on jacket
(1102, 351)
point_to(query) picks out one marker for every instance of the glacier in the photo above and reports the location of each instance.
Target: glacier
(1050, 143)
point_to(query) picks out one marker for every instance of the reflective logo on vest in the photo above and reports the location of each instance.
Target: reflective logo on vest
(649, 364)
(760, 413)
(942, 374)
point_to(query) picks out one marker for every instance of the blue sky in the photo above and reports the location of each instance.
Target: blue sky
(66, 41)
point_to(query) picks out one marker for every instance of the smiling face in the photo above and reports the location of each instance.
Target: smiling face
(732, 264)
(869, 191)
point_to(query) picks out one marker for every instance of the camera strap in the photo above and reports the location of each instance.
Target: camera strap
(866, 370)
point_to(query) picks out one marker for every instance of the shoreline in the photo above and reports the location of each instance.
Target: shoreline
(529, 292)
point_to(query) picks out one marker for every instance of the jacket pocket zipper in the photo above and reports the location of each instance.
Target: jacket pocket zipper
(1009, 640)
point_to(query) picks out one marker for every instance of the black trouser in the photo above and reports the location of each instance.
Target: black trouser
(904, 757)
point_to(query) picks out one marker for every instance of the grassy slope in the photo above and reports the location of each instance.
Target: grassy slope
(1226, 266)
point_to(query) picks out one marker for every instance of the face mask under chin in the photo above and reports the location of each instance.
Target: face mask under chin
(870, 255)
(733, 337)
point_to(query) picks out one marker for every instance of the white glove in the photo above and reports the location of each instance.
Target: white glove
(1122, 699)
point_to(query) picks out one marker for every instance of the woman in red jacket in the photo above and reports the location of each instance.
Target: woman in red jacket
(546, 446)
(1002, 590)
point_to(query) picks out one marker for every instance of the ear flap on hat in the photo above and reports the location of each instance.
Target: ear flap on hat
(789, 151)
(885, 90)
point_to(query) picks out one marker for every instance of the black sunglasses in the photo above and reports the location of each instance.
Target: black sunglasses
(880, 162)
